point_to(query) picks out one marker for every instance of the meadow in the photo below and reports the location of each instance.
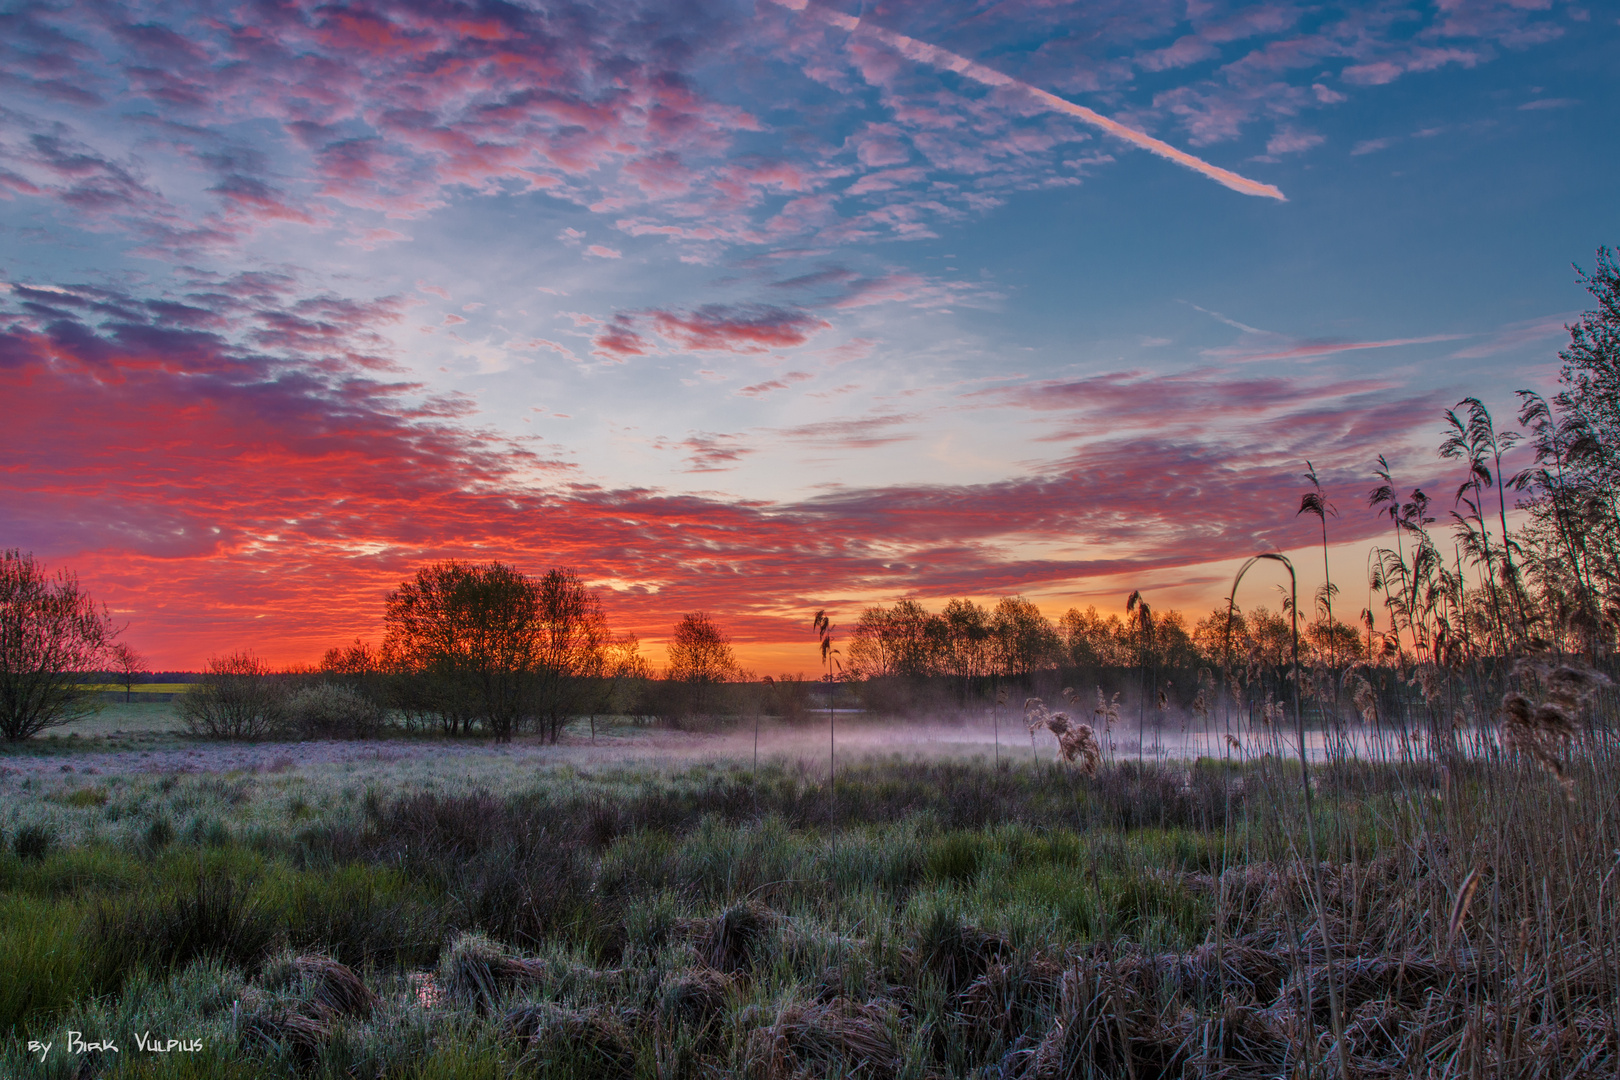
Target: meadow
(480, 910)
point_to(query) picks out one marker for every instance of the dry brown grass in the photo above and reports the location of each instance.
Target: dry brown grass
(838, 1038)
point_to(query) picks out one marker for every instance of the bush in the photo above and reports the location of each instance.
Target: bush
(332, 711)
(33, 842)
(215, 917)
(238, 699)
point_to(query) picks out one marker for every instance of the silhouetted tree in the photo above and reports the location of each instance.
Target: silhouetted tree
(475, 636)
(52, 635)
(700, 655)
(127, 667)
(609, 672)
(573, 638)
(966, 653)
(1024, 641)
(902, 640)
(358, 659)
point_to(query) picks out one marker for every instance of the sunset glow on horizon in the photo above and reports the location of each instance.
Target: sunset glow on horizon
(762, 308)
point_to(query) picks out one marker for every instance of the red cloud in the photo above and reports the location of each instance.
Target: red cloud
(618, 341)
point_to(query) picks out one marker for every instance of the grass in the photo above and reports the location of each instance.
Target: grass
(115, 725)
(418, 919)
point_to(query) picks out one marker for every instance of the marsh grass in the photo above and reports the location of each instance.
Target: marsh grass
(1152, 920)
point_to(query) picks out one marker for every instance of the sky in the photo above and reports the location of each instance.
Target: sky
(762, 308)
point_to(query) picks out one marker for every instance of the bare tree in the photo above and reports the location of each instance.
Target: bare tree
(51, 636)
(128, 666)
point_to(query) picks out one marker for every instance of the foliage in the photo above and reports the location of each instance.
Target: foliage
(52, 635)
(330, 710)
(575, 643)
(472, 633)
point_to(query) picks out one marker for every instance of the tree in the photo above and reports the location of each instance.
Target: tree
(51, 636)
(1219, 638)
(1591, 371)
(700, 654)
(474, 635)
(609, 672)
(358, 659)
(573, 641)
(1023, 639)
(966, 650)
(900, 640)
(1573, 492)
(1092, 641)
(128, 666)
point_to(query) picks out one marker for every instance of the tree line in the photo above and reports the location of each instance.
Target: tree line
(487, 647)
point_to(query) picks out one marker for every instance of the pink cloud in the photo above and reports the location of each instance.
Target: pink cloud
(708, 452)
(1186, 50)
(398, 110)
(372, 239)
(1386, 71)
(880, 145)
(543, 343)
(761, 389)
(604, 252)
(862, 433)
(1518, 335)
(1289, 141)
(755, 329)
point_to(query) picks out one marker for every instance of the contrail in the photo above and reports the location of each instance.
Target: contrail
(923, 52)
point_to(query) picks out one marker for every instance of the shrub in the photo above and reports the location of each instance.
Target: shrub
(159, 834)
(215, 917)
(332, 711)
(33, 842)
(238, 699)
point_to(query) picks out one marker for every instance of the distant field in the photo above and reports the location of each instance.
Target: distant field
(119, 718)
(141, 688)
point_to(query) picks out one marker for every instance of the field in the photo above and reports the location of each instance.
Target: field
(656, 905)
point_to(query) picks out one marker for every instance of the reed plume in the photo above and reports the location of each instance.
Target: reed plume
(1544, 730)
